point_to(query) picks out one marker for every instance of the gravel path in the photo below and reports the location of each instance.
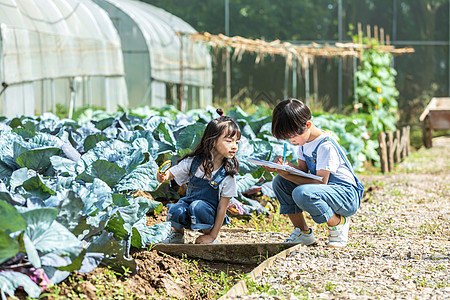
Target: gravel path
(399, 244)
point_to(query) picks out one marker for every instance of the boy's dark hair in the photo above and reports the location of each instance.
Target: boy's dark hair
(289, 118)
(213, 131)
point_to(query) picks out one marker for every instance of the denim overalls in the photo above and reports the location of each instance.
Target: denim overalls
(319, 200)
(197, 210)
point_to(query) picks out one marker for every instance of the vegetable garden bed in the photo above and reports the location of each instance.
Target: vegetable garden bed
(69, 189)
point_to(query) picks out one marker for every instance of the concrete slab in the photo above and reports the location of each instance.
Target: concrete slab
(230, 253)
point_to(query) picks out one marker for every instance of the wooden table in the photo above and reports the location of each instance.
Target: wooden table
(436, 116)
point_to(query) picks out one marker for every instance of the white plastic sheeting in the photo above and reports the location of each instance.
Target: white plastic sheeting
(155, 56)
(51, 50)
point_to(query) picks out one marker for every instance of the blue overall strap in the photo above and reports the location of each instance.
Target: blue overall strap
(196, 162)
(218, 177)
(359, 185)
(314, 153)
(340, 150)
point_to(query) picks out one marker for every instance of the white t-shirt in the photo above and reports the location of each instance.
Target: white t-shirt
(227, 188)
(328, 158)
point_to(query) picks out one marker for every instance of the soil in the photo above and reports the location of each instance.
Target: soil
(417, 190)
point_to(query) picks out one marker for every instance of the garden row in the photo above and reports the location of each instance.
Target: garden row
(66, 187)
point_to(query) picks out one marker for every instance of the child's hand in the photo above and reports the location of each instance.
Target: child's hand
(205, 239)
(162, 177)
(277, 160)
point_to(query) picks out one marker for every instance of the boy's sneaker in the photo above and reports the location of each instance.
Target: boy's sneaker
(174, 238)
(338, 235)
(298, 236)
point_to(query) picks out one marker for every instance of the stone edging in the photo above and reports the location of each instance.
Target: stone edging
(240, 288)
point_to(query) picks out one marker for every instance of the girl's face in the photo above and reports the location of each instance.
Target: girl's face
(226, 146)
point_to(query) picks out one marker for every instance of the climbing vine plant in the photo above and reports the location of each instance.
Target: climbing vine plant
(376, 91)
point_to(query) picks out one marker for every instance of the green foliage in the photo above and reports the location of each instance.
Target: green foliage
(376, 91)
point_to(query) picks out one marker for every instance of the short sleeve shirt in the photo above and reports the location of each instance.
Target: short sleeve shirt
(227, 187)
(328, 158)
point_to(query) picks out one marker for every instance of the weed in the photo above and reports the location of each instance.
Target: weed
(329, 287)
(430, 228)
(211, 280)
(378, 183)
(106, 283)
(394, 192)
(276, 223)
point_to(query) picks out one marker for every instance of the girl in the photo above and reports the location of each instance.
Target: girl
(210, 171)
(331, 200)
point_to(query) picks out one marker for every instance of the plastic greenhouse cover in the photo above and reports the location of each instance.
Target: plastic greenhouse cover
(159, 29)
(57, 38)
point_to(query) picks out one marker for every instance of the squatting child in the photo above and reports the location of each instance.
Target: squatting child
(331, 200)
(209, 171)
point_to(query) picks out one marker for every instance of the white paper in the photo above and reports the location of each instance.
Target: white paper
(290, 169)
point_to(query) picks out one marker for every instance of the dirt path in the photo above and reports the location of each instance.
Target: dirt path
(399, 241)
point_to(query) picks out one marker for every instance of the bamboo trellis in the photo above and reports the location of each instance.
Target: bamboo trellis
(304, 54)
(288, 50)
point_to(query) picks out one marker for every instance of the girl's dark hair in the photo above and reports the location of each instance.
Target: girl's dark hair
(289, 118)
(216, 128)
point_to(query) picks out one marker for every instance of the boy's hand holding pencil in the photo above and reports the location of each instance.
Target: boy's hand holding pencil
(281, 160)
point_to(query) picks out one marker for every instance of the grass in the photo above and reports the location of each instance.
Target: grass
(288, 287)
(218, 282)
(106, 284)
(433, 227)
(276, 222)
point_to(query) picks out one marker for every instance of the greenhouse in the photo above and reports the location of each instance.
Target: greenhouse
(62, 55)
(161, 66)
(58, 55)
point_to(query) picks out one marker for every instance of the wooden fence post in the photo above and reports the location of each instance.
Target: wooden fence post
(390, 150)
(383, 152)
(408, 141)
(397, 145)
(393, 147)
(427, 132)
(404, 143)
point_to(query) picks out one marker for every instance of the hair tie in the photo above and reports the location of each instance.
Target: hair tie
(220, 112)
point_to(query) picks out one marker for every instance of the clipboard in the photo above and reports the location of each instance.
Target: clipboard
(289, 169)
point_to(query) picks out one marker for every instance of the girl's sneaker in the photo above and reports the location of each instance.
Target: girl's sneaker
(299, 237)
(174, 238)
(338, 235)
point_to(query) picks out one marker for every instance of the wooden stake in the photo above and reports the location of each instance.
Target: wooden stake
(388, 39)
(369, 36)
(381, 36)
(375, 32)
(397, 148)
(390, 150)
(359, 33)
(383, 152)
(407, 141)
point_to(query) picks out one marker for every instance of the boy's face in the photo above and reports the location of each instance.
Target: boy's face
(301, 139)
(226, 146)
